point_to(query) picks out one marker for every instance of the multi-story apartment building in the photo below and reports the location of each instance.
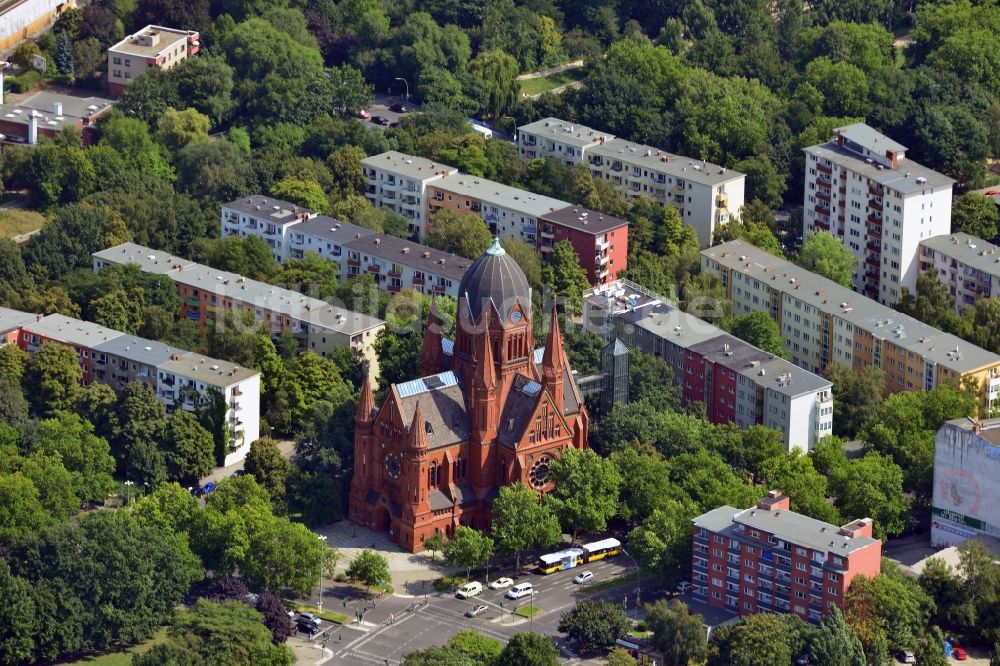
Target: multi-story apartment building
(207, 295)
(152, 47)
(399, 181)
(510, 212)
(966, 503)
(706, 195)
(265, 217)
(11, 322)
(824, 323)
(769, 559)
(398, 264)
(600, 240)
(737, 382)
(860, 187)
(181, 379)
(968, 266)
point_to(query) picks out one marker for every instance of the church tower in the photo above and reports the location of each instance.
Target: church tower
(432, 355)
(554, 361)
(365, 464)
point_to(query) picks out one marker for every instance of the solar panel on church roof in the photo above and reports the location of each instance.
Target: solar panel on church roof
(531, 387)
(539, 355)
(424, 384)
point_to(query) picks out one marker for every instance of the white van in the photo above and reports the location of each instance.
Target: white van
(485, 131)
(520, 590)
(469, 590)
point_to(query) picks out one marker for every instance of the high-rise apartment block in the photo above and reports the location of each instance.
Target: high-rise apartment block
(208, 295)
(737, 382)
(966, 502)
(824, 323)
(399, 182)
(706, 195)
(860, 187)
(152, 47)
(967, 266)
(769, 559)
(181, 379)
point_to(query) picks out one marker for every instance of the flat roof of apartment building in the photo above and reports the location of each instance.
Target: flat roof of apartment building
(163, 40)
(148, 260)
(781, 376)
(786, 525)
(207, 370)
(573, 134)
(56, 110)
(729, 351)
(678, 328)
(865, 135)
(408, 166)
(414, 255)
(72, 331)
(986, 429)
(11, 319)
(584, 219)
(276, 299)
(332, 230)
(969, 250)
(908, 176)
(497, 194)
(835, 299)
(275, 211)
(678, 166)
(138, 349)
(238, 288)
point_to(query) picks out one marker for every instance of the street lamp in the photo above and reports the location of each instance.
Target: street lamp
(399, 78)
(128, 491)
(322, 539)
(637, 579)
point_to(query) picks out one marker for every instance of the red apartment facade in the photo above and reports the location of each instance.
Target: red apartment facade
(769, 559)
(600, 240)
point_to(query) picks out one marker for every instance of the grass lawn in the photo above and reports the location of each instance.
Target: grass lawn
(15, 222)
(546, 83)
(123, 658)
(528, 611)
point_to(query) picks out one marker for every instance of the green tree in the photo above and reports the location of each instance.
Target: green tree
(526, 649)
(348, 172)
(205, 83)
(890, 609)
(757, 640)
(21, 510)
(65, 62)
(370, 568)
(586, 492)
(795, 474)
(835, 643)
(140, 423)
(268, 466)
(527, 260)
(823, 253)
(468, 548)
(857, 396)
(497, 73)
(760, 330)
(975, 215)
(177, 129)
(463, 234)
(981, 588)
(677, 633)
(620, 657)
(120, 310)
(872, 487)
(520, 521)
(564, 275)
(17, 618)
(71, 236)
(53, 379)
(306, 193)
(54, 484)
(228, 632)
(595, 625)
(764, 183)
(188, 447)
(434, 544)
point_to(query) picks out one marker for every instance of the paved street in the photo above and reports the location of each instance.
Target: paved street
(398, 625)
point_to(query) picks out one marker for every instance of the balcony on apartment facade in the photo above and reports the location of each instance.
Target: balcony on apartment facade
(823, 196)
(823, 168)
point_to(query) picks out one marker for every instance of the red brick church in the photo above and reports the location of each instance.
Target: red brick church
(489, 410)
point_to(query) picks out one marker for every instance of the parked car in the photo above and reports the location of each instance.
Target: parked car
(252, 598)
(237, 474)
(683, 587)
(470, 589)
(307, 627)
(501, 583)
(380, 120)
(206, 489)
(520, 590)
(991, 193)
(584, 577)
(364, 114)
(476, 611)
(959, 653)
(309, 617)
(397, 108)
(907, 657)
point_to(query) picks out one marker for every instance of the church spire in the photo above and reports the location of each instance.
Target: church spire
(418, 431)
(366, 402)
(432, 355)
(554, 361)
(484, 374)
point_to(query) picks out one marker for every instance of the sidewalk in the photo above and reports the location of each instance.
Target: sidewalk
(551, 70)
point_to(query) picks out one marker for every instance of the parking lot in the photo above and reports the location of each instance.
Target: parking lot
(399, 625)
